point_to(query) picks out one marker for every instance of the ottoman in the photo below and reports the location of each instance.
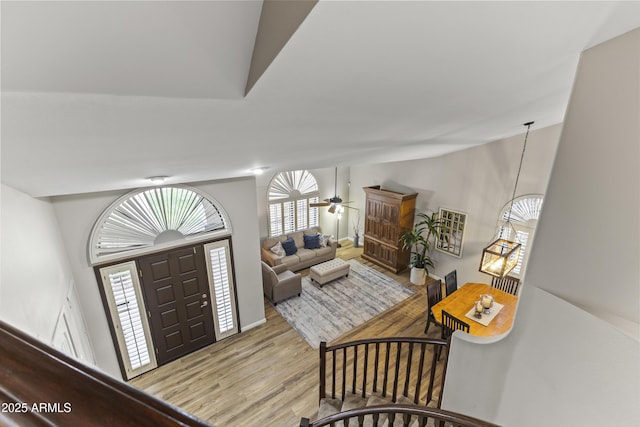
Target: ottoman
(328, 271)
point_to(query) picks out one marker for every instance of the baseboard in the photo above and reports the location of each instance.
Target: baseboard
(433, 276)
(360, 241)
(254, 324)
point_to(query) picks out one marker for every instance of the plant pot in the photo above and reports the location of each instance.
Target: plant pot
(418, 276)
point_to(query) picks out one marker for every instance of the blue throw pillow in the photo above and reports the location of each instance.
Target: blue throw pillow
(289, 246)
(312, 242)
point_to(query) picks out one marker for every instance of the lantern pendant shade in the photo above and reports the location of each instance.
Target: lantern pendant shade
(500, 257)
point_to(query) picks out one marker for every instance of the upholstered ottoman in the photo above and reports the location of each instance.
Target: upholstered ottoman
(328, 271)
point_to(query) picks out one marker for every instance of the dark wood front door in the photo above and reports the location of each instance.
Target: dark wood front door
(176, 291)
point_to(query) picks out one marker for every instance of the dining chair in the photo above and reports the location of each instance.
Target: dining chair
(451, 282)
(450, 324)
(434, 296)
(507, 284)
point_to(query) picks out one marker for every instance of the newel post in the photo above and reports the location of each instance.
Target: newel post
(323, 370)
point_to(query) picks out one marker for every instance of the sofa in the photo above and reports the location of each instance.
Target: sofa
(311, 248)
(279, 283)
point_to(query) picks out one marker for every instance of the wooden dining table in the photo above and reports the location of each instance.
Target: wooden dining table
(460, 302)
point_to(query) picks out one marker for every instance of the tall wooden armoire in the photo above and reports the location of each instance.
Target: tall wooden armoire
(388, 214)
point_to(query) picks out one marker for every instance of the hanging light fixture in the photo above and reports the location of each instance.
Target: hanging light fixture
(501, 256)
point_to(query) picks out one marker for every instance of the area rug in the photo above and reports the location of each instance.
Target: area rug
(324, 314)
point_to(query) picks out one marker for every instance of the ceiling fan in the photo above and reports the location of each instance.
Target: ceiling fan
(335, 203)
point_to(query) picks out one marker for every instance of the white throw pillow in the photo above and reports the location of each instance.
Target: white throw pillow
(325, 240)
(278, 250)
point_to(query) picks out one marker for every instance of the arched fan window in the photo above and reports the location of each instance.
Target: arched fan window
(151, 219)
(289, 196)
(524, 218)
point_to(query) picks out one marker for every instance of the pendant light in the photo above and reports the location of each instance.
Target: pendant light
(502, 255)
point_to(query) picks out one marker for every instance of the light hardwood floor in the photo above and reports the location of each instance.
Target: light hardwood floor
(268, 376)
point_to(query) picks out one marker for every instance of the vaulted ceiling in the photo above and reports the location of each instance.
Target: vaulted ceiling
(101, 95)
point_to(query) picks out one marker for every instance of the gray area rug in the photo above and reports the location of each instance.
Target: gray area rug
(324, 314)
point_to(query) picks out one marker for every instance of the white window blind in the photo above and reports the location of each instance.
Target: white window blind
(222, 288)
(144, 219)
(302, 210)
(289, 196)
(275, 219)
(289, 217)
(122, 289)
(522, 237)
(523, 215)
(314, 219)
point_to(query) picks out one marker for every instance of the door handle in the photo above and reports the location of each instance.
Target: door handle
(204, 304)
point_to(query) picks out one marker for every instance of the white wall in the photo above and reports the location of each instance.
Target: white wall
(563, 364)
(478, 181)
(559, 365)
(592, 218)
(35, 271)
(78, 213)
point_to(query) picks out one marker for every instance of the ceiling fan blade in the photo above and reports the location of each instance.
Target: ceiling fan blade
(320, 204)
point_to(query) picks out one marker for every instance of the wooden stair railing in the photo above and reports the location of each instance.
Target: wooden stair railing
(410, 416)
(40, 386)
(388, 366)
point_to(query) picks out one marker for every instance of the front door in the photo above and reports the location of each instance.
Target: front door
(177, 297)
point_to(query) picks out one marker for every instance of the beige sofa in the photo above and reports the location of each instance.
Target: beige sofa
(303, 258)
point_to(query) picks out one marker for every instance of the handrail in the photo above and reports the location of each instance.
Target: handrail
(414, 340)
(409, 415)
(42, 386)
(399, 350)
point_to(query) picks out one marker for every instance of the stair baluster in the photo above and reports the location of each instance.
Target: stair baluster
(396, 363)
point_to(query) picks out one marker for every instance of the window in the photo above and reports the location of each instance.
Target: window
(222, 288)
(524, 218)
(155, 218)
(290, 194)
(122, 291)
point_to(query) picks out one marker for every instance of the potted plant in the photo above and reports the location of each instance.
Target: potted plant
(421, 240)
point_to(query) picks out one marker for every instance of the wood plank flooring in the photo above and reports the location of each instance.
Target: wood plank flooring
(268, 376)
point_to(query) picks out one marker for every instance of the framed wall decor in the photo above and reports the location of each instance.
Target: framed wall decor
(451, 239)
